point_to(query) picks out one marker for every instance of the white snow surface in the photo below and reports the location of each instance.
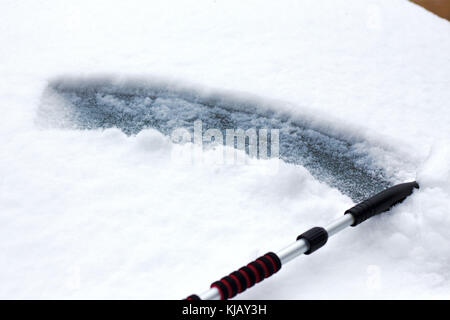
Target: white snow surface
(98, 214)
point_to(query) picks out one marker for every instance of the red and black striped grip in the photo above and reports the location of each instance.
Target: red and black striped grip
(246, 277)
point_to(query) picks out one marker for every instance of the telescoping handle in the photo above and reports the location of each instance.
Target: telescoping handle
(308, 242)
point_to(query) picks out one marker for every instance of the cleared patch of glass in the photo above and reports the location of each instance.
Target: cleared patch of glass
(133, 106)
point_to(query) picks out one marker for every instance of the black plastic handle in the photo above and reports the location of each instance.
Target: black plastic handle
(381, 202)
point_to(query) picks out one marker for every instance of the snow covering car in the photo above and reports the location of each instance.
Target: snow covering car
(93, 203)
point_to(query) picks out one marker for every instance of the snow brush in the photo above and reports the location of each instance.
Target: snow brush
(308, 242)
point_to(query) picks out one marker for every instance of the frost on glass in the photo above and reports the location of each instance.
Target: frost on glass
(134, 105)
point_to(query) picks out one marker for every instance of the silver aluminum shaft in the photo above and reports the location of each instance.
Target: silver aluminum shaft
(293, 250)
